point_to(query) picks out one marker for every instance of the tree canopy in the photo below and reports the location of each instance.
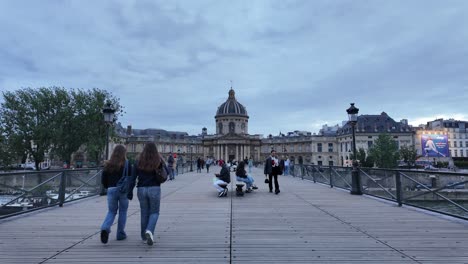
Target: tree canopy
(409, 155)
(54, 120)
(384, 152)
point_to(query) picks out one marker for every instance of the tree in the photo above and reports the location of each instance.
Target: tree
(96, 131)
(364, 159)
(409, 155)
(26, 119)
(384, 152)
(82, 123)
(7, 156)
(54, 120)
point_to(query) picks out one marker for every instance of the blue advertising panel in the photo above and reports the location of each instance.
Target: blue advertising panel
(434, 145)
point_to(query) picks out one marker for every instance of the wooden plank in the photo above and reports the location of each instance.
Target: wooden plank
(305, 223)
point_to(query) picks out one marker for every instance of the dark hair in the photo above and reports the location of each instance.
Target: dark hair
(273, 151)
(117, 159)
(240, 170)
(149, 159)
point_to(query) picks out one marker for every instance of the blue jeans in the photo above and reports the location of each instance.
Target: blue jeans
(116, 201)
(248, 181)
(171, 172)
(286, 170)
(150, 199)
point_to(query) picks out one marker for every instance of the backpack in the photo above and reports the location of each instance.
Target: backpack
(123, 183)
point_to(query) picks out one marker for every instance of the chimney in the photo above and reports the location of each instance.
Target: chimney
(129, 130)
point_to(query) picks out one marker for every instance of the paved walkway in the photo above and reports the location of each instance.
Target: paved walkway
(305, 223)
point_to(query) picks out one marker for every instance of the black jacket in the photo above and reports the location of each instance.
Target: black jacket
(270, 170)
(224, 174)
(110, 179)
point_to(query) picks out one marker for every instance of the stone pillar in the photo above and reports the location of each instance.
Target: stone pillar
(226, 152)
(225, 155)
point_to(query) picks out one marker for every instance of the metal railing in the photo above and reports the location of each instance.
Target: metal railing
(31, 190)
(438, 191)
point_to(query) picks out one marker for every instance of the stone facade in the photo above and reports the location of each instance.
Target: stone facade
(331, 146)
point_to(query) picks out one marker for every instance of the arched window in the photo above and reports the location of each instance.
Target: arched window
(232, 127)
(220, 128)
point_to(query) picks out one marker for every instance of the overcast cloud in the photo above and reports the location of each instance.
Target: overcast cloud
(295, 65)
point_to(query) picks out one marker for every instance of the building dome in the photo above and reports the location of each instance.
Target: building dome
(231, 107)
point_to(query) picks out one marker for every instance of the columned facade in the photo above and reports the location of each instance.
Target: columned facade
(232, 141)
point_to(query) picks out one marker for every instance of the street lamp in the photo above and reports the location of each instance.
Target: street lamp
(355, 180)
(108, 112)
(191, 161)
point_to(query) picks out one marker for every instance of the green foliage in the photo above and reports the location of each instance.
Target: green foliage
(442, 164)
(54, 120)
(364, 159)
(384, 152)
(461, 163)
(409, 155)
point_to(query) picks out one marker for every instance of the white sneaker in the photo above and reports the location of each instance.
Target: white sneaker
(149, 238)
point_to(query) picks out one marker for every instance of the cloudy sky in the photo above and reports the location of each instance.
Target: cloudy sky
(295, 65)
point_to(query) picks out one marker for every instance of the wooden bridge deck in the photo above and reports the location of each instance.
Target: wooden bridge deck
(305, 223)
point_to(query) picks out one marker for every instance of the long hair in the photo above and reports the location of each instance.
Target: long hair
(117, 159)
(149, 159)
(240, 170)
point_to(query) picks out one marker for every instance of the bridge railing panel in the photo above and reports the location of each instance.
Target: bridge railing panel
(31, 190)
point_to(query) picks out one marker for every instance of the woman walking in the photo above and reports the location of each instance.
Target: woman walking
(116, 168)
(147, 170)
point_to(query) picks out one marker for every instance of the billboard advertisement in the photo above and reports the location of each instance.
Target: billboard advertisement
(434, 145)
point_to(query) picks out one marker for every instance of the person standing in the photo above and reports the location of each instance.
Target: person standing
(148, 189)
(208, 164)
(199, 164)
(286, 166)
(272, 169)
(250, 164)
(170, 166)
(116, 168)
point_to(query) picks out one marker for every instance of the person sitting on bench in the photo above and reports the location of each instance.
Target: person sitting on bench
(243, 177)
(223, 179)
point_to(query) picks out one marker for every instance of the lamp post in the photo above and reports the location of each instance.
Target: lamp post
(355, 179)
(191, 161)
(108, 112)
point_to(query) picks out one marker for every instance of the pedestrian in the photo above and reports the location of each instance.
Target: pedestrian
(170, 166)
(272, 170)
(286, 166)
(199, 165)
(250, 164)
(208, 164)
(114, 169)
(150, 173)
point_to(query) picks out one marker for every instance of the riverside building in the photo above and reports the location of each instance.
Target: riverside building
(332, 145)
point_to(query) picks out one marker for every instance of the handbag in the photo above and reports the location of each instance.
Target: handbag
(123, 183)
(161, 173)
(266, 180)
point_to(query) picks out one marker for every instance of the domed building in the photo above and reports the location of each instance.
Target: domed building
(231, 117)
(232, 140)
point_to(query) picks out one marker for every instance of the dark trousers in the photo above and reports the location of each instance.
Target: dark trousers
(271, 176)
